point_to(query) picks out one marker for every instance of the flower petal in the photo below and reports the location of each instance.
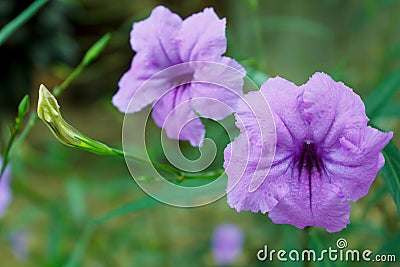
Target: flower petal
(285, 100)
(217, 87)
(248, 158)
(242, 166)
(353, 168)
(173, 112)
(325, 207)
(333, 110)
(202, 37)
(140, 86)
(154, 40)
(156, 36)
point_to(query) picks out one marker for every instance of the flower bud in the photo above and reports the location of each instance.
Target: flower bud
(48, 111)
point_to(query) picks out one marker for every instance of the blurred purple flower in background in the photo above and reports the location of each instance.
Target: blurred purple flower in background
(164, 40)
(227, 241)
(19, 243)
(325, 157)
(5, 191)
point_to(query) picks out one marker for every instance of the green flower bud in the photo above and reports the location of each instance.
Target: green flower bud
(48, 111)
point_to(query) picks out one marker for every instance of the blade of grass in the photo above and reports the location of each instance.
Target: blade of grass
(391, 111)
(379, 98)
(80, 247)
(143, 203)
(20, 20)
(391, 172)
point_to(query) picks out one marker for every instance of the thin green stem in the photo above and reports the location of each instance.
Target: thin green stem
(180, 175)
(203, 175)
(89, 57)
(20, 20)
(68, 81)
(7, 152)
(33, 118)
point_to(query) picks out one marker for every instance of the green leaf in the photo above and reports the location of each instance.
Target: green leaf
(376, 197)
(23, 107)
(256, 76)
(379, 98)
(20, 20)
(391, 172)
(319, 243)
(392, 110)
(80, 247)
(75, 194)
(95, 50)
(143, 203)
(253, 73)
(294, 24)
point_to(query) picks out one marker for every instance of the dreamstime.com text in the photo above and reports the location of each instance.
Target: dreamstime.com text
(340, 253)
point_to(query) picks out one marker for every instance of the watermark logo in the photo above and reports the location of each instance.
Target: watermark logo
(177, 111)
(339, 253)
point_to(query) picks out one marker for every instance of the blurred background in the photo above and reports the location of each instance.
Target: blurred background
(57, 190)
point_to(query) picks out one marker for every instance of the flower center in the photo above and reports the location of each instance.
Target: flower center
(183, 79)
(308, 159)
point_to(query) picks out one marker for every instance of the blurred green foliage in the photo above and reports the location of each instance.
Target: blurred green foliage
(59, 192)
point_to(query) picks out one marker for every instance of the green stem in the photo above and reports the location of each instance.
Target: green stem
(33, 118)
(68, 81)
(180, 175)
(20, 20)
(89, 57)
(7, 152)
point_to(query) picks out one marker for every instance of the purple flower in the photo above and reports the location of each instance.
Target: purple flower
(178, 66)
(5, 191)
(227, 243)
(325, 156)
(19, 243)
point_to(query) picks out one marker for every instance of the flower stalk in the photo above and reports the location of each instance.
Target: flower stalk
(48, 111)
(18, 133)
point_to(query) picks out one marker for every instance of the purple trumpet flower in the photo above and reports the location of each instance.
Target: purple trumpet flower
(178, 67)
(325, 154)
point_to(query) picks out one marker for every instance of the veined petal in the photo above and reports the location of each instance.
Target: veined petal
(202, 36)
(354, 167)
(216, 87)
(325, 154)
(325, 205)
(156, 36)
(154, 40)
(243, 163)
(286, 100)
(140, 86)
(333, 111)
(249, 157)
(173, 112)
